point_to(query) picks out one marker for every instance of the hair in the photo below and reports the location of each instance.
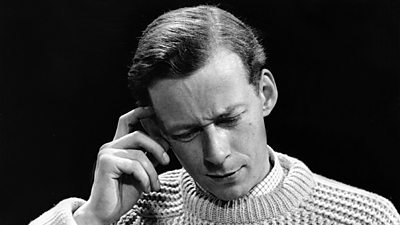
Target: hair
(179, 42)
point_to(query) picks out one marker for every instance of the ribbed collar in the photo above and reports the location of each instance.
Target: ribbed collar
(288, 183)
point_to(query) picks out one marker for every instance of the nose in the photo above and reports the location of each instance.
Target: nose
(215, 145)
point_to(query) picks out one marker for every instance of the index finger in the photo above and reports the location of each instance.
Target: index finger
(130, 118)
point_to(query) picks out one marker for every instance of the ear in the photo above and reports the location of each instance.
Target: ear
(268, 91)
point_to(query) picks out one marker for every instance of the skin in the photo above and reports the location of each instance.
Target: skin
(224, 149)
(123, 171)
(213, 120)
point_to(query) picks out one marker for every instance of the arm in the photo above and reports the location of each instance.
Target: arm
(61, 214)
(123, 172)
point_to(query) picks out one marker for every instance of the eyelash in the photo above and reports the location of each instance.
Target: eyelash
(225, 122)
(229, 121)
(186, 137)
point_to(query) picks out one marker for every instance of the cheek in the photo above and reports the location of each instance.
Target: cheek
(188, 154)
(249, 137)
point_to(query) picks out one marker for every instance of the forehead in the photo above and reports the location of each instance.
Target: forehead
(219, 85)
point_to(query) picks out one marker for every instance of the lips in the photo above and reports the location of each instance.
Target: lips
(224, 174)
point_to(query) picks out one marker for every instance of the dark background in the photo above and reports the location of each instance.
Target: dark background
(63, 86)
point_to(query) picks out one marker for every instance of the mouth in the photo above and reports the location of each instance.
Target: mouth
(219, 176)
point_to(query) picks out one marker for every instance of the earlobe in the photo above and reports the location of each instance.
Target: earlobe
(268, 91)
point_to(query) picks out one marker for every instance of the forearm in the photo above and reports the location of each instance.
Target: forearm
(61, 214)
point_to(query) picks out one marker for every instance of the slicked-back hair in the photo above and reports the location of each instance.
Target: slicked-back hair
(179, 42)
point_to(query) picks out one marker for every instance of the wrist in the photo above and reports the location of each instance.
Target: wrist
(83, 216)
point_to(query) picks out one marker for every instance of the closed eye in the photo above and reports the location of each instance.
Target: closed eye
(228, 121)
(223, 121)
(185, 137)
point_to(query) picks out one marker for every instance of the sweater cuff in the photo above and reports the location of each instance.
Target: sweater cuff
(61, 214)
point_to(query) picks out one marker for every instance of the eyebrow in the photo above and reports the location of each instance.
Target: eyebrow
(191, 126)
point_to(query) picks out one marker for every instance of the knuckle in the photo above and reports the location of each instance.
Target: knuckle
(137, 134)
(104, 149)
(140, 154)
(104, 146)
(100, 153)
(105, 160)
(134, 164)
(146, 164)
(141, 172)
(105, 155)
(122, 118)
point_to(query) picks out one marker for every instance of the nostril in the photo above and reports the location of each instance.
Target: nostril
(216, 156)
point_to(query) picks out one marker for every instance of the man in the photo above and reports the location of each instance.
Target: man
(202, 89)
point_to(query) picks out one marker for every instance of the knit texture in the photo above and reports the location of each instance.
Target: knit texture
(266, 185)
(290, 194)
(61, 214)
(299, 197)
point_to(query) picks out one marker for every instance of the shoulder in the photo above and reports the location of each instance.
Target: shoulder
(334, 200)
(170, 178)
(349, 203)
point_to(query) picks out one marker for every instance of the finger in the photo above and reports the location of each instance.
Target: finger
(120, 166)
(144, 161)
(134, 168)
(139, 140)
(130, 118)
(138, 173)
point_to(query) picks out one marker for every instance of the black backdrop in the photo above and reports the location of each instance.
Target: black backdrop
(63, 86)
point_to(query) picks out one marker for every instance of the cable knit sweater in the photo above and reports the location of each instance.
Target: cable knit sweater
(290, 194)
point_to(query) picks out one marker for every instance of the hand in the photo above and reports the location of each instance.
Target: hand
(124, 170)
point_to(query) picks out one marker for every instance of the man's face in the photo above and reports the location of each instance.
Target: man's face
(213, 120)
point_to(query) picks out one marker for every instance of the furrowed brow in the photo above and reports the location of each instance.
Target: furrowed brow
(230, 110)
(227, 112)
(182, 127)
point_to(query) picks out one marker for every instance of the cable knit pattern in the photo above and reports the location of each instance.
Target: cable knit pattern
(300, 197)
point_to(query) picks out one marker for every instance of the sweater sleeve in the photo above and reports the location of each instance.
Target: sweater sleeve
(61, 214)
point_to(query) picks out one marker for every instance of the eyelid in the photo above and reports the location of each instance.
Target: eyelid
(228, 120)
(187, 132)
(235, 116)
(179, 137)
(231, 117)
(193, 131)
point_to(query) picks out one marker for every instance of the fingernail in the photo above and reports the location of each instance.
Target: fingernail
(166, 157)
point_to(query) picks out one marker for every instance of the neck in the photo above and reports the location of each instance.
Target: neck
(269, 163)
(286, 185)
